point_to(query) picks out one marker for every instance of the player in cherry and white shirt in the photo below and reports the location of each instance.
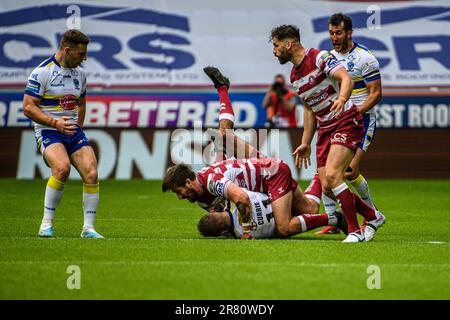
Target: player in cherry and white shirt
(211, 186)
(325, 87)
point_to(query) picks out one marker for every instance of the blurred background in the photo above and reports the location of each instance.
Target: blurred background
(145, 78)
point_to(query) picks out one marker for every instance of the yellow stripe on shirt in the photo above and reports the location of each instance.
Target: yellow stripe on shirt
(362, 90)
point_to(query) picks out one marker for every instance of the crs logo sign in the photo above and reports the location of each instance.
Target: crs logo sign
(143, 38)
(407, 49)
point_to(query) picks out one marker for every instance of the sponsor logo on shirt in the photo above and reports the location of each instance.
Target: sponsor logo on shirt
(68, 102)
(33, 86)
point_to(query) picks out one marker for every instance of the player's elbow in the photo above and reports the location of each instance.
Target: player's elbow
(377, 94)
(27, 110)
(283, 231)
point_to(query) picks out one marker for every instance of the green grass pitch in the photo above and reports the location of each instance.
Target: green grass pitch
(153, 250)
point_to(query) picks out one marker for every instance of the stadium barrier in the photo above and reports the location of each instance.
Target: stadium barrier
(146, 153)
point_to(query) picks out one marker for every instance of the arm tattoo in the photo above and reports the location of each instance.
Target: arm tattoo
(245, 212)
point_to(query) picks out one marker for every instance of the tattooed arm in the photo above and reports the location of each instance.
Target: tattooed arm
(244, 206)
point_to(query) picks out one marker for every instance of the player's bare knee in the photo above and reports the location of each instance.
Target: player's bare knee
(332, 179)
(61, 171)
(313, 207)
(91, 176)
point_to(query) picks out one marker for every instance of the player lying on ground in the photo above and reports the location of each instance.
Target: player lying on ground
(225, 180)
(226, 223)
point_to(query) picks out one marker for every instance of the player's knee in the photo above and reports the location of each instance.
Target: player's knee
(313, 207)
(91, 175)
(61, 171)
(332, 179)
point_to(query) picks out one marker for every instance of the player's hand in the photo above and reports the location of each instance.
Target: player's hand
(303, 156)
(65, 126)
(337, 107)
(247, 236)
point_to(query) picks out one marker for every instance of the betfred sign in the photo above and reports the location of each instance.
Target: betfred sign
(181, 110)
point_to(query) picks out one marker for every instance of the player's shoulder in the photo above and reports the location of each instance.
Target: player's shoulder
(43, 69)
(316, 54)
(47, 64)
(363, 52)
(323, 56)
(81, 71)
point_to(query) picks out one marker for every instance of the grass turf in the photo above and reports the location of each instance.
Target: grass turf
(153, 250)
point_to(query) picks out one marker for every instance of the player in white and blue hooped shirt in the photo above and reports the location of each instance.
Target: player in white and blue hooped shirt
(55, 100)
(364, 69)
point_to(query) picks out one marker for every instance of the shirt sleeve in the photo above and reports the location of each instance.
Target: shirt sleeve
(217, 184)
(328, 63)
(370, 69)
(37, 82)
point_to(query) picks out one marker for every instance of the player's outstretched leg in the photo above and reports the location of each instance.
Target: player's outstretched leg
(226, 143)
(217, 77)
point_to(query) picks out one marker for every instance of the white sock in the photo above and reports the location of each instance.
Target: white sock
(53, 195)
(362, 188)
(329, 204)
(332, 220)
(90, 204)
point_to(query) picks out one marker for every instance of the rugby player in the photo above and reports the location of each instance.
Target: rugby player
(325, 88)
(226, 223)
(55, 99)
(212, 185)
(364, 69)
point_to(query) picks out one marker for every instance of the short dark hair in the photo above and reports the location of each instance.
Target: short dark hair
(337, 18)
(176, 176)
(211, 226)
(285, 32)
(73, 37)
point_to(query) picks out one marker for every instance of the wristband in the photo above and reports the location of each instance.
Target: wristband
(52, 123)
(343, 99)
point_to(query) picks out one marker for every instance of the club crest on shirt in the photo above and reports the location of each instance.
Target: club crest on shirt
(76, 83)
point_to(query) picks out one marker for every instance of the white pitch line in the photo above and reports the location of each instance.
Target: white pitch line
(213, 239)
(226, 263)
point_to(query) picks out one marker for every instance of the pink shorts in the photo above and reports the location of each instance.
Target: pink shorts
(347, 131)
(281, 183)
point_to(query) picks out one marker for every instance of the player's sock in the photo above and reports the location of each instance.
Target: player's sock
(347, 201)
(329, 204)
(226, 110)
(90, 204)
(53, 195)
(314, 190)
(362, 187)
(363, 209)
(312, 221)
